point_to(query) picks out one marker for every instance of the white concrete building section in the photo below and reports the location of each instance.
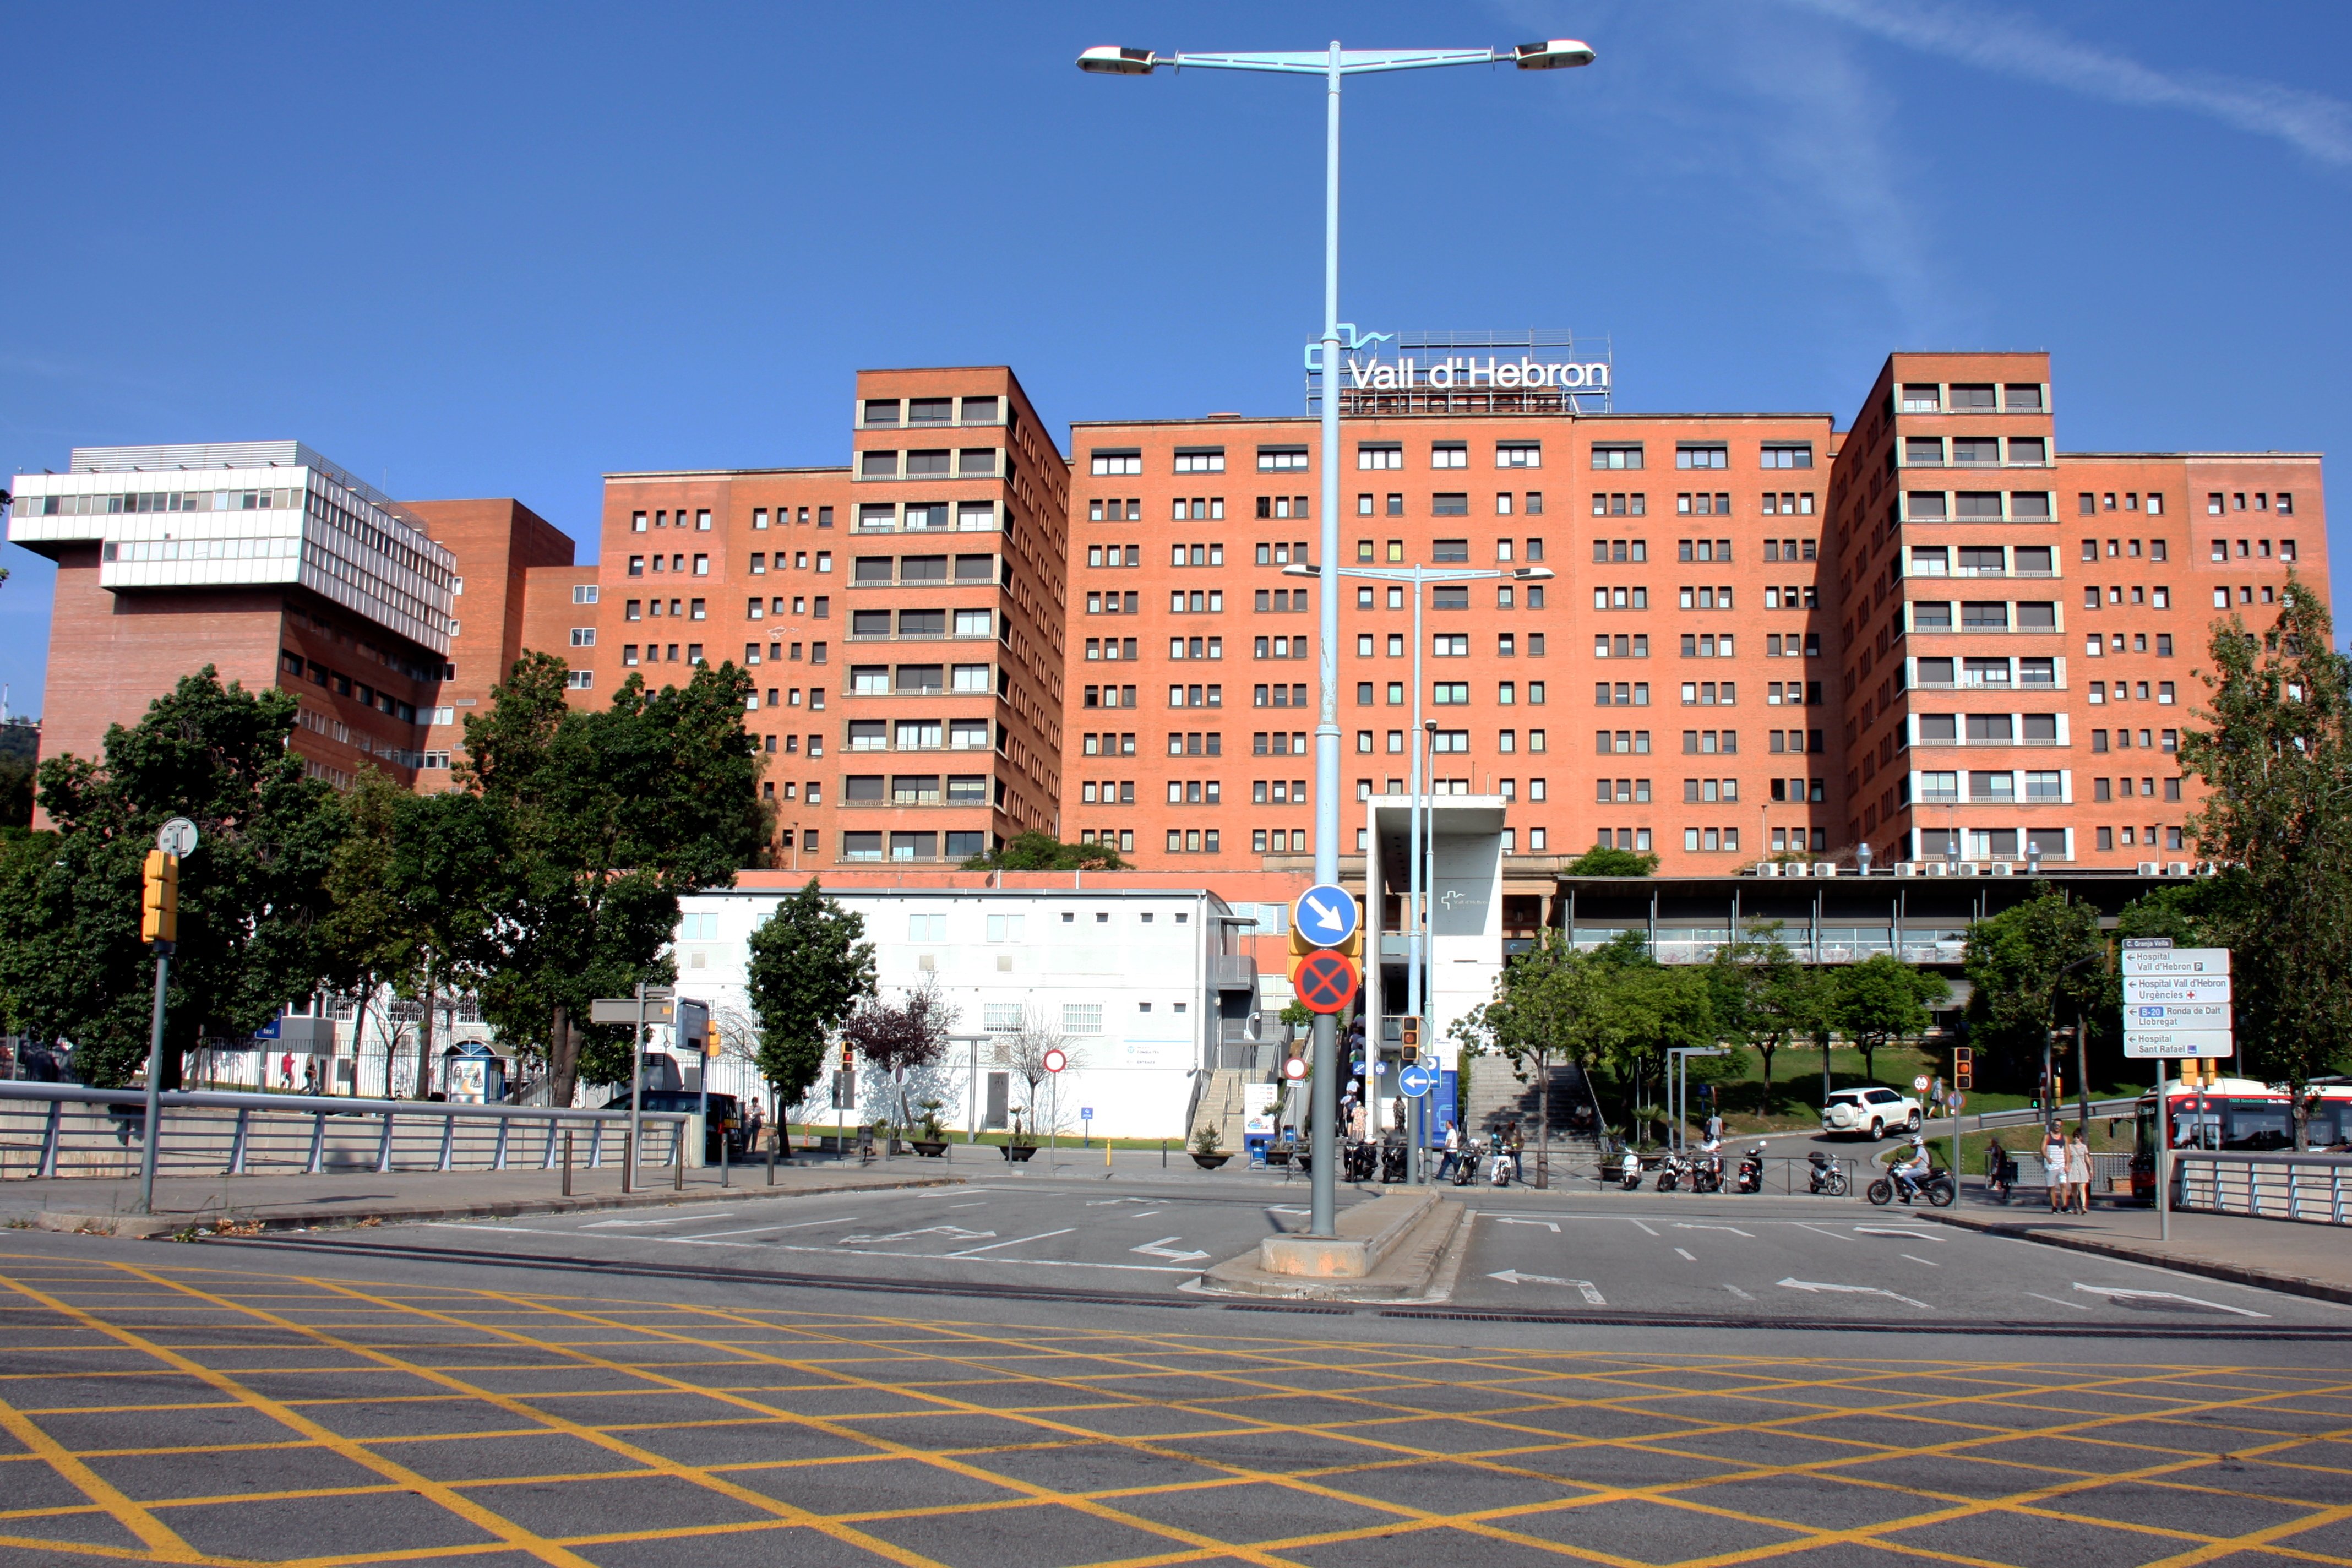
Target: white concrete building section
(1463, 880)
(1146, 986)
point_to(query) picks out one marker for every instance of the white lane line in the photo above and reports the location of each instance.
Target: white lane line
(1161, 1249)
(1686, 1258)
(1914, 1235)
(981, 1205)
(1545, 1223)
(1702, 1225)
(1279, 1209)
(674, 1219)
(1147, 1214)
(2117, 1293)
(757, 1229)
(1817, 1230)
(2076, 1305)
(1584, 1287)
(1917, 1259)
(1646, 1229)
(1854, 1290)
(775, 1246)
(1738, 1292)
(1015, 1242)
(953, 1232)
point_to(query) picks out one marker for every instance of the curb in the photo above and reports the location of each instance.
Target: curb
(2206, 1268)
(150, 1226)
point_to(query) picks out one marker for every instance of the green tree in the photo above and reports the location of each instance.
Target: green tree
(2277, 761)
(603, 817)
(1545, 1005)
(1883, 1001)
(1040, 851)
(808, 972)
(1765, 998)
(1599, 862)
(2029, 966)
(251, 896)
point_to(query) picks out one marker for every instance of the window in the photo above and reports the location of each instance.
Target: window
(1449, 503)
(1518, 455)
(583, 637)
(1082, 1017)
(1280, 461)
(1922, 397)
(1200, 460)
(1449, 455)
(1117, 460)
(1787, 454)
(1617, 454)
(1701, 455)
(1378, 455)
(1451, 550)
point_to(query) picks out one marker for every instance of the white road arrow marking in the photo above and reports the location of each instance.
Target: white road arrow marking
(1324, 915)
(1160, 1250)
(953, 1232)
(1582, 1286)
(1854, 1290)
(1701, 1225)
(1017, 1241)
(2118, 1293)
(1545, 1223)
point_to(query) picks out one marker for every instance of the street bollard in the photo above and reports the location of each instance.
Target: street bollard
(677, 1161)
(567, 1164)
(724, 1180)
(1163, 1153)
(773, 1141)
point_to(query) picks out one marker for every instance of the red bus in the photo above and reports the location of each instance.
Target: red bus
(2235, 1113)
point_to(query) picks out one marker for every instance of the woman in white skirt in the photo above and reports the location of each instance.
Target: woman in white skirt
(2078, 1171)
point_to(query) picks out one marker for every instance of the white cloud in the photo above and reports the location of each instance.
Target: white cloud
(2318, 126)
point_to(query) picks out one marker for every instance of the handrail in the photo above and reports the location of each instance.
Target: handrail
(309, 1104)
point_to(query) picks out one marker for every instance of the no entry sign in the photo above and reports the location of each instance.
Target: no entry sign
(1325, 981)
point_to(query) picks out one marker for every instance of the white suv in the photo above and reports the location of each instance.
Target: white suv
(1870, 1111)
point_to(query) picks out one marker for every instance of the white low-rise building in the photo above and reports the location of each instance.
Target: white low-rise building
(1144, 986)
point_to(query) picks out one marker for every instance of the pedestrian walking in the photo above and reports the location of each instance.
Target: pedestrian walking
(751, 1120)
(2054, 1164)
(2078, 1171)
(1715, 1127)
(1453, 1155)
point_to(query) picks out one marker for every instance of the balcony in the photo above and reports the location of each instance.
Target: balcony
(1234, 972)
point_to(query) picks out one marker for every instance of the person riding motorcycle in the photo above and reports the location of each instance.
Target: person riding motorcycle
(1912, 1169)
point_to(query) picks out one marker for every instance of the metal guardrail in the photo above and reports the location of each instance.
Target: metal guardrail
(50, 1129)
(2315, 1188)
(2029, 1117)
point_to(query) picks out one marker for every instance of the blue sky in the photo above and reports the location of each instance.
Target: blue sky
(477, 250)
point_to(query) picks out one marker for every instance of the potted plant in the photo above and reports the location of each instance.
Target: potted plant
(1019, 1144)
(933, 1143)
(1206, 1152)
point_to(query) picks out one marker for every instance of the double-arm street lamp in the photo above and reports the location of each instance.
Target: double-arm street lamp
(1416, 922)
(1332, 64)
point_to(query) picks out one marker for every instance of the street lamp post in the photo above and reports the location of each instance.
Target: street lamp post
(1416, 922)
(1332, 65)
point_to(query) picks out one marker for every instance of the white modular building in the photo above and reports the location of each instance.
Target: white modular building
(1146, 988)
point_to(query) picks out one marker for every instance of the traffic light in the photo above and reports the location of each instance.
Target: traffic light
(1963, 1067)
(1409, 1040)
(159, 915)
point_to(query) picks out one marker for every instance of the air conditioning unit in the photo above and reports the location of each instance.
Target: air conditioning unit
(1824, 868)
(1906, 868)
(1968, 868)
(2000, 869)
(1768, 868)
(1796, 868)
(1935, 869)
(2176, 868)
(2147, 868)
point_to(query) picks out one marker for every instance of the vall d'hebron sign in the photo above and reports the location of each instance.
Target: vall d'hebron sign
(2177, 1001)
(1467, 372)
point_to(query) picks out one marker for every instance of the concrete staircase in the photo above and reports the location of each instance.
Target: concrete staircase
(1497, 1096)
(1219, 1106)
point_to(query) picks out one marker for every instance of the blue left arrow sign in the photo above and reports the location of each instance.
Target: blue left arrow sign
(1324, 915)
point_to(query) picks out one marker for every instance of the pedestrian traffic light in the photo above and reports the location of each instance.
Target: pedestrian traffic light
(1963, 1067)
(159, 917)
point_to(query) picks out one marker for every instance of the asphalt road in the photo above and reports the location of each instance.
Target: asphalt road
(1617, 1257)
(414, 1396)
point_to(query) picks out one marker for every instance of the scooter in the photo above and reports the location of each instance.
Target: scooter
(1504, 1167)
(1706, 1172)
(1672, 1169)
(1392, 1162)
(1465, 1166)
(1629, 1171)
(1752, 1172)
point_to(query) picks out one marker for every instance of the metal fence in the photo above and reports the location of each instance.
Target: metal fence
(66, 1130)
(2316, 1188)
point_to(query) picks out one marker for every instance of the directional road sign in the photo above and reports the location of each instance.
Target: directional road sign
(1326, 983)
(2180, 962)
(2178, 1016)
(2172, 1044)
(1415, 1080)
(1324, 915)
(623, 1010)
(2169, 990)
(177, 836)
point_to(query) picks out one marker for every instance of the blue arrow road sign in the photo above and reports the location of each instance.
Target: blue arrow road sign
(1415, 1081)
(1324, 915)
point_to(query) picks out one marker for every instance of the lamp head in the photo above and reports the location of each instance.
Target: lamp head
(1533, 573)
(1301, 569)
(1552, 54)
(1111, 59)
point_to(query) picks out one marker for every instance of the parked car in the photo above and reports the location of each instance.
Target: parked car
(1869, 1112)
(726, 1117)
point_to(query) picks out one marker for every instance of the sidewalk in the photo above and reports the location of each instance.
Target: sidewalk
(298, 1201)
(2293, 1255)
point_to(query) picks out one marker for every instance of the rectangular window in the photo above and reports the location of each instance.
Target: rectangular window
(1787, 454)
(1200, 460)
(1701, 455)
(1617, 454)
(1281, 459)
(1111, 460)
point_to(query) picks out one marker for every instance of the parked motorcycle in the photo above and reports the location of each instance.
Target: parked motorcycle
(1706, 1172)
(1752, 1172)
(1629, 1171)
(1466, 1168)
(1504, 1167)
(1393, 1158)
(1824, 1175)
(1672, 1171)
